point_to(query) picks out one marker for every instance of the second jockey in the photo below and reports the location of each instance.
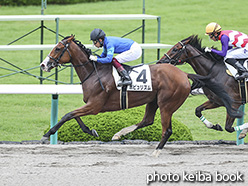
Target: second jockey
(234, 46)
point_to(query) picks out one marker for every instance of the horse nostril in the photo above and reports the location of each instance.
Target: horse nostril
(42, 66)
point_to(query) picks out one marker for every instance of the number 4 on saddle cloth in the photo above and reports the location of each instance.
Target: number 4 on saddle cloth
(140, 75)
(242, 83)
(141, 81)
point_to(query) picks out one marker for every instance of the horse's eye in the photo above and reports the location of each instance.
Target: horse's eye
(57, 49)
(174, 50)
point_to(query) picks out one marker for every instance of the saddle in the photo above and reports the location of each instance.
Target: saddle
(129, 68)
(232, 71)
(242, 61)
(242, 83)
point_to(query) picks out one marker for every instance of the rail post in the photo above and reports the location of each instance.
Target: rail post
(240, 121)
(159, 27)
(143, 34)
(54, 117)
(43, 6)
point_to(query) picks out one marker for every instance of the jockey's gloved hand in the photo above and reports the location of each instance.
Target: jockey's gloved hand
(93, 58)
(207, 49)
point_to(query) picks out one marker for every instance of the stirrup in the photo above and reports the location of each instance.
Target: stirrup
(124, 83)
(242, 76)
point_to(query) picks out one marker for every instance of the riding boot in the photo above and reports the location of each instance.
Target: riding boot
(242, 72)
(126, 80)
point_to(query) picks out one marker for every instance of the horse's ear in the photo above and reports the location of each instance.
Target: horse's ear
(187, 40)
(71, 38)
(190, 38)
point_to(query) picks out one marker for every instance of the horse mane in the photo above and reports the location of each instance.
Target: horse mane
(196, 42)
(81, 46)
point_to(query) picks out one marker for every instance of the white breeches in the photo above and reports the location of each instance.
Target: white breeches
(130, 55)
(237, 53)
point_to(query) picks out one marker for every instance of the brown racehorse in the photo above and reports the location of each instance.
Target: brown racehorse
(190, 51)
(170, 88)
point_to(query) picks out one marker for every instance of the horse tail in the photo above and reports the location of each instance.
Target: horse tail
(206, 81)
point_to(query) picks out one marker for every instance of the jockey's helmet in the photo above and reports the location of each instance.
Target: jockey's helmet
(97, 34)
(212, 28)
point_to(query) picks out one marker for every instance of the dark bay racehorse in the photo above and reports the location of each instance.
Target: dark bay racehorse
(170, 88)
(190, 51)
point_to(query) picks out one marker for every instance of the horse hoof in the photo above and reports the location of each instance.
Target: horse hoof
(44, 139)
(217, 127)
(94, 133)
(156, 153)
(241, 136)
(115, 137)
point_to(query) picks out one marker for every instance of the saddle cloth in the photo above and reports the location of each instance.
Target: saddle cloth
(140, 75)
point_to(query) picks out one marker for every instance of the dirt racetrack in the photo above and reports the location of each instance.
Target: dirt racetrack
(127, 165)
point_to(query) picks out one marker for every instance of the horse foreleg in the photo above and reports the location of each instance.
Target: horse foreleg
(85, 128)
(148, 119)
(82, 111)
(198, 113)
(52, 131)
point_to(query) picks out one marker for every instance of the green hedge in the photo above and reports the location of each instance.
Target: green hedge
(109, 123)
(38, 2)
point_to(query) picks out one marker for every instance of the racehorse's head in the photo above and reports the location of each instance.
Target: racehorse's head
(176, 53)
(60, 54)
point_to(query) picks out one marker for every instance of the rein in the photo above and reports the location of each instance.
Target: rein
(94, 64)
(88, 76)
(215, 61)
(95, 69)
(71, 65)
(182, 61)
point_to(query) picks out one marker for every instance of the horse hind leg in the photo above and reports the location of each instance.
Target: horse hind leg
(243, 128)
(148, 119)
(243, 133)
(167, 132)
(86, 129)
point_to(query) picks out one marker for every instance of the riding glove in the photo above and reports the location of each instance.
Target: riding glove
(208, 49)
(93, 58)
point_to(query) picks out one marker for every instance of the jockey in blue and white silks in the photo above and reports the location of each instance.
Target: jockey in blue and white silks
(126, 50)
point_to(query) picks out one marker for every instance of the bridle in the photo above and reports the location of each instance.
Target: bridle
(176, 59)
(55, 62)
